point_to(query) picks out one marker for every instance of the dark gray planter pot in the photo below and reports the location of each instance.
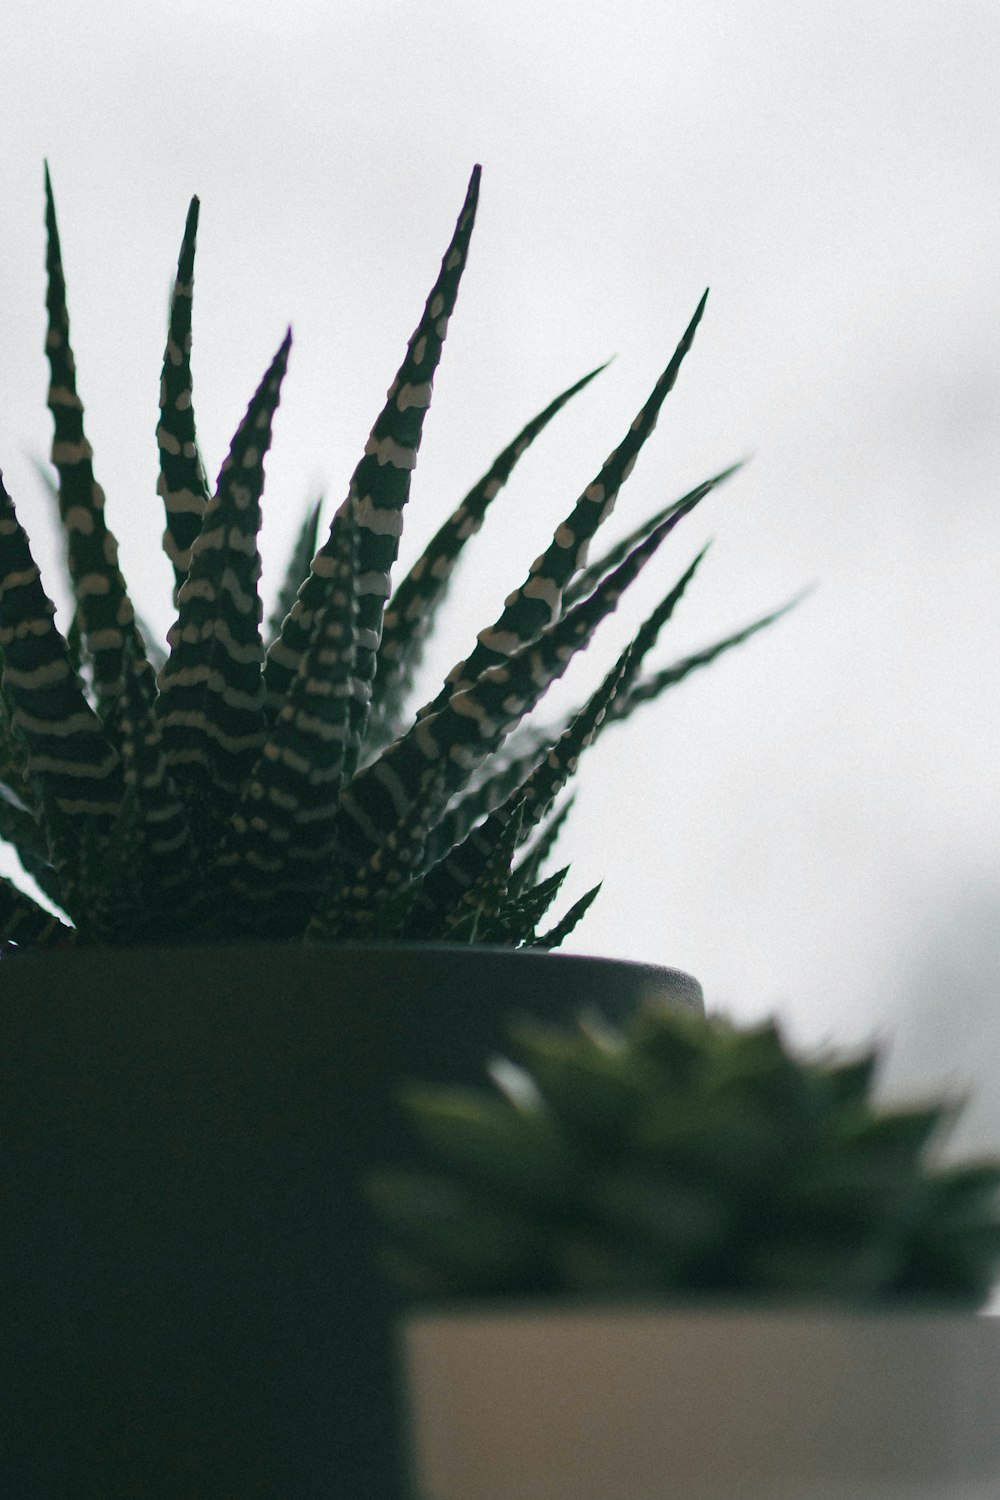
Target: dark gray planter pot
(192, 1307)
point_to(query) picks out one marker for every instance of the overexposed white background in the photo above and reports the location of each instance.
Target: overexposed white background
(810, 826)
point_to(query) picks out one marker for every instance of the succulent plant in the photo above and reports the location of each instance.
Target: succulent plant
(244, 782)
(685, 1157)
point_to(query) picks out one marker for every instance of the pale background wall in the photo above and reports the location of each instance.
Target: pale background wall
(811, 826)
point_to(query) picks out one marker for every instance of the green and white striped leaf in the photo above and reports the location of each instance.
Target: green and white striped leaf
(512, 925)
(283, 833)
(521, 914)
(297, 570)
(70, 762)
(154, 651)
(411, 611)
(535, 745)
(160, 820)
(475, 721)
(183, 484)
(458, 877)
(646, 688)
(558, 934)
(379, 490)
(488, 789)
(106, 617)
(486, 890)
(211, 702)
(588, 579)
(539, 600)
(526, 872)
(532, 744)
(361, 894)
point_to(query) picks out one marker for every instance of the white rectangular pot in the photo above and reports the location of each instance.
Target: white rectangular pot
(652, 1404)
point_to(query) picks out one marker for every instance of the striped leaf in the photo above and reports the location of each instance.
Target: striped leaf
(458, 877)
(283, 833)
(533, 606)
(361, 893)
(106, 617)
(489, 787)
(154, 651)
(70, 762)
(535, 745)
(161, 820)
(540, 790)
(532, 745)
(110, 907)
(302, 555)
(561, 931)
(527, 871)
(519, 917)
(411, 611)
(475, 721)
(588, 579)
(513, 922)
(486, 890)
(379, 490)
(182, 485)
(211, 702)
(646, 688)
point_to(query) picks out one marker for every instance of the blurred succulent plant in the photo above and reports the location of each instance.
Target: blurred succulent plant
(686, 1157)
(253, 783)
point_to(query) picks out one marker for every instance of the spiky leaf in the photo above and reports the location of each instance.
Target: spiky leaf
(379, 489)
(70, 764)
(538, 601)
(183, 484)
(473, 722)
(105, 613)
(410, 613)
(211, 701)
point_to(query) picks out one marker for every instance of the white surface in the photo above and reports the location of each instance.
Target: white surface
(812, 825)
(689, 1406)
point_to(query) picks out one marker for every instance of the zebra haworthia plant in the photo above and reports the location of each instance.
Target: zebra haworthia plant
(251, 782)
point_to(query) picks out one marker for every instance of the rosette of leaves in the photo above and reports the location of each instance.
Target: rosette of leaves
(686, 1157)
(274, 781)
